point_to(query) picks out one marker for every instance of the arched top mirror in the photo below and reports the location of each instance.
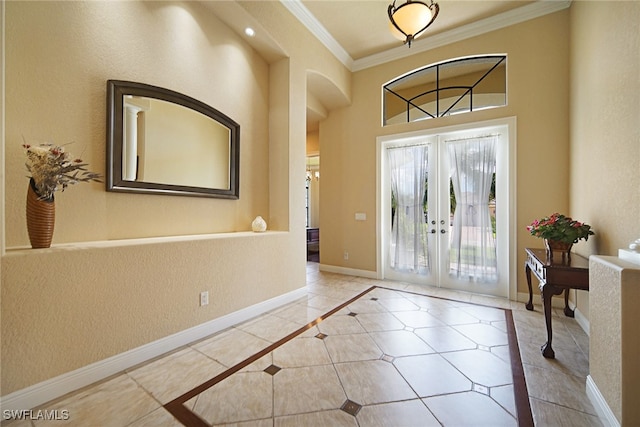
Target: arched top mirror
(163, 142)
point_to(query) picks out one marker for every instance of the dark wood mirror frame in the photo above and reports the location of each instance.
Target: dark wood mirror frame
(116, 92)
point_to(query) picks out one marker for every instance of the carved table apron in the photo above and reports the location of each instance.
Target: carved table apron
(555, 276)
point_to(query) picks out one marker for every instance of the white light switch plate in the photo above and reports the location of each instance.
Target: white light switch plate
(361, 216)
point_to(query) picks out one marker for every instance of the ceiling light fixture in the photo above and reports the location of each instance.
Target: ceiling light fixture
(410, 19)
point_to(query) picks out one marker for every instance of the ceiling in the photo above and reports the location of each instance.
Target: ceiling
(361, 26)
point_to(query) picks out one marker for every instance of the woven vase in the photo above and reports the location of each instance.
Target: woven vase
(41, 217)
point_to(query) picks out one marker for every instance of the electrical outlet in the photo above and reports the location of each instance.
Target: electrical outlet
(346, 255)
(204, 298)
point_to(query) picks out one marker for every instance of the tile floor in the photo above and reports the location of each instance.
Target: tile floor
(397, 355)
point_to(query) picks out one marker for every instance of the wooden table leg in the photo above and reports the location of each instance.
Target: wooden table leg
(567, 311)
(527, 270)
(548, 291)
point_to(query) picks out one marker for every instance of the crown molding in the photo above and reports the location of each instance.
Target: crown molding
(506, 19)
(515, 16)
(317, 29)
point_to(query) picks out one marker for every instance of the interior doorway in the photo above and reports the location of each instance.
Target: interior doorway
(445, 205)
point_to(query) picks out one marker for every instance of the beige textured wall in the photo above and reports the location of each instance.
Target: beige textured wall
(59, 57)
(75, 304)
(537, 75)
(605, 135)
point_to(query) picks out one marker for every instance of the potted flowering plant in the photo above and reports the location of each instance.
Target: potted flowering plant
(559, 232)
(52, 169)
(560, 228)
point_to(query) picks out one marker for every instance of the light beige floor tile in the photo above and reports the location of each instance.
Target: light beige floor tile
(373, 322)
(432, 375)
(556, 387)
(350, 348)
(241, 397)
(406, 413)
(96, 405)
(366, 305)
(398, 304)
(309, 389)
(503, 352)
(469, 409)
(505, 397)
(159, 417)
(418, 319)
(300, 314)
(340, 324)
(323, 303)
(173, 375)
(373, 381)
(301, 352)
(567, 361)
(481, 367)
(334, 418)
(400, 343)
(231, 347)
(382, 293)
(445, 338)
(483, 334)
(453, 316)
(549, 414)
(257, 423)
(485, 313)
(270, 328)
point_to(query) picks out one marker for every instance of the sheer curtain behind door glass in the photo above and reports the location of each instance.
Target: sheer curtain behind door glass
(473, 243)
(408, 169)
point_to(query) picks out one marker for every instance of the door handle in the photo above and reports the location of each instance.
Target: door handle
(433, 231)
(442, 231)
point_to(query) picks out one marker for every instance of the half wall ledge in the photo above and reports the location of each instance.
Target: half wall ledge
(21, 250)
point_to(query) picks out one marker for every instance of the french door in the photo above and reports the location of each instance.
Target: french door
(445, 215)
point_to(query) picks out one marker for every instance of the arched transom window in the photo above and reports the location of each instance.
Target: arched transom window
(453, 87)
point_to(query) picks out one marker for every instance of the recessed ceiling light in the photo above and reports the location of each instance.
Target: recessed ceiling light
(249, 31)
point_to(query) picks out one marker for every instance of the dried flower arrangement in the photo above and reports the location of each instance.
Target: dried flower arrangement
(53, 169)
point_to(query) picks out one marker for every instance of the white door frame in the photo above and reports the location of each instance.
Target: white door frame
(383, 180)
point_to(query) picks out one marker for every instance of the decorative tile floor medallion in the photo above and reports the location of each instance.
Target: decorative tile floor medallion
(383, 359)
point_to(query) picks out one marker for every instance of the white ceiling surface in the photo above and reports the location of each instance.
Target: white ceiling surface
(357, 31)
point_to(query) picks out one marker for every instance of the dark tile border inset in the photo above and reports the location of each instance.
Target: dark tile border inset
(521, 396)
(190, 419)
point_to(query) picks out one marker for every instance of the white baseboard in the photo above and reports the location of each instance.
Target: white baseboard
(348, 271)
(582, 320)
(37, 394)
(600, 404)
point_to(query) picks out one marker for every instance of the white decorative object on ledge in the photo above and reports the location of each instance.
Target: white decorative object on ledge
(259, 225)
(629, 255)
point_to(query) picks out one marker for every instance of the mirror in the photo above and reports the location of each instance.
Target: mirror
(163, 142)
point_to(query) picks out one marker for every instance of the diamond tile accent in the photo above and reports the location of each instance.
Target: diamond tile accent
(481, 389)
(388, 358)
(272, 369)
(321, 336)
(351, 407)
(374, 299)
(352, 314)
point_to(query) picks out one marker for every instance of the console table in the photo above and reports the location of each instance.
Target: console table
(555, 275)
